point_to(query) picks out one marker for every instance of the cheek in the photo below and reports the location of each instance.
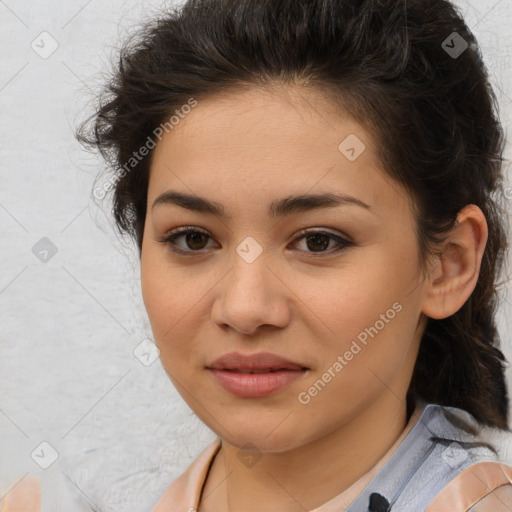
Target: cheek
(172, 298)
(345, 302)
(366, 313)
(165, 299)
(164, 287)
(152, 287)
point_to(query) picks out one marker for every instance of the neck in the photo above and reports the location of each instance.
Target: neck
(302, 479)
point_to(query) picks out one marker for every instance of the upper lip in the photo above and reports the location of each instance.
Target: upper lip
(259, 361)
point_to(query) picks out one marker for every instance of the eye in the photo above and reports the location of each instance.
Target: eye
(195, 240)
(317, 241)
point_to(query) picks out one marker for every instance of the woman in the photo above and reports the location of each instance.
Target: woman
(314, 188)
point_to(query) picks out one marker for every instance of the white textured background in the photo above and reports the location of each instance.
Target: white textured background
(69, 326)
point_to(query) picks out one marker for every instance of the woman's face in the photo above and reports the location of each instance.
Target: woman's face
(342, 302)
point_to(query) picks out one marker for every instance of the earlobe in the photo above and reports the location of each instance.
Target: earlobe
(456, 269)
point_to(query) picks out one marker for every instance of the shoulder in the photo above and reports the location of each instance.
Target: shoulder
(498, 500)
(482, 487)
(185, 491)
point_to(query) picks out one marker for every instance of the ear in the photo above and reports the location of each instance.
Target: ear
(454, 273)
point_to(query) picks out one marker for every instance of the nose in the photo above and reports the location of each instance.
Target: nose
(250, 296)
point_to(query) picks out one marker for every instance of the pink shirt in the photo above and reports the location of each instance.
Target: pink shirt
(464, 491)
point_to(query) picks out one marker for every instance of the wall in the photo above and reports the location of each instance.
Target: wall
(71, 311)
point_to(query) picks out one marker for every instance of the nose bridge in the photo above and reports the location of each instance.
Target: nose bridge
(249, 250)
(250, 296)
(250, 267)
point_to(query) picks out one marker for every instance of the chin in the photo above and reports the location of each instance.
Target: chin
(262, 436)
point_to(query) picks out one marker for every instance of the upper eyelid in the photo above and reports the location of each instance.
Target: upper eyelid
(183, 230)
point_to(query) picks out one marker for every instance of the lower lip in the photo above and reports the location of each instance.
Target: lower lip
(253, 385)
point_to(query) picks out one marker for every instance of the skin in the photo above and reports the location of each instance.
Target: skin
(262, 145)
(25, 495)
(244, 151)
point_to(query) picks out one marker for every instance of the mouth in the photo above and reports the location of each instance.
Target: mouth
(261, 362)
(256, 375)
(256, 385)
(264, 370)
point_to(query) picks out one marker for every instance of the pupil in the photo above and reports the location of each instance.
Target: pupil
(316, 240)
(192, 238)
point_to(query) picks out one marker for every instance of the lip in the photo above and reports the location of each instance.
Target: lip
(232, 372)
(259, 361)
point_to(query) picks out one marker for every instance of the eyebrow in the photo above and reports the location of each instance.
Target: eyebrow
(278, 207)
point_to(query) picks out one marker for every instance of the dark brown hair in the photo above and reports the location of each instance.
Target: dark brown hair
(411, 72)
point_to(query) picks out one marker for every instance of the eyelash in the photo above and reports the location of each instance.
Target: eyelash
(170, 237)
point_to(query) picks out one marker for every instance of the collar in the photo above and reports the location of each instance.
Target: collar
(184, 493)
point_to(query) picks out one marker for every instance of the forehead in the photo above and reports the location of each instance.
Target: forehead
(264, 118)
(262, 142)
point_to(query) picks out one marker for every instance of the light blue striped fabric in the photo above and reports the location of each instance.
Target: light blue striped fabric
(435, 451)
